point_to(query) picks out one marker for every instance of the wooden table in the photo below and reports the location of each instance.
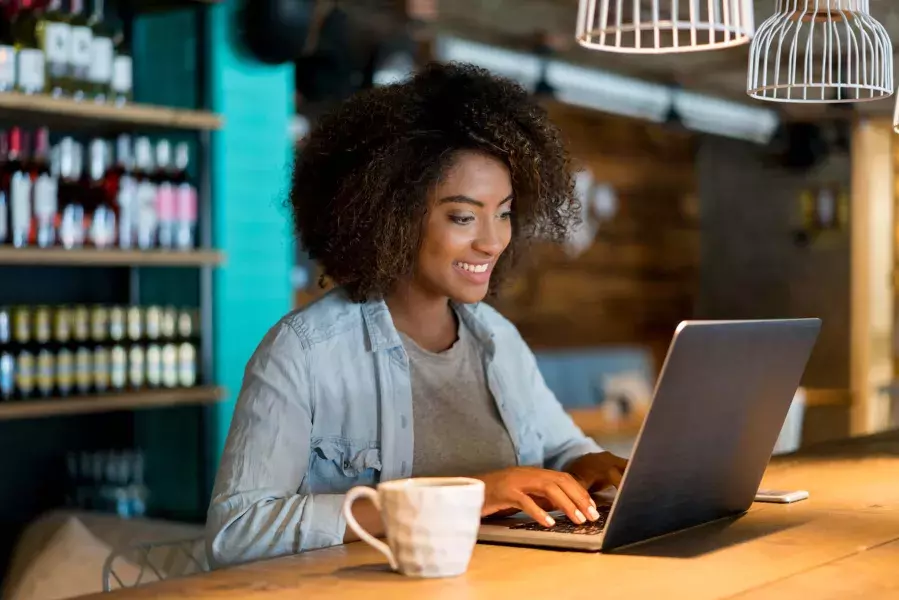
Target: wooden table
(841, 543)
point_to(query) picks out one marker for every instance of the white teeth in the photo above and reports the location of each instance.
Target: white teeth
(473, 268)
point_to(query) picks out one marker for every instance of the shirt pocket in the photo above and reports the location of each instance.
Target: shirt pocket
(337, 464)
(530, 441)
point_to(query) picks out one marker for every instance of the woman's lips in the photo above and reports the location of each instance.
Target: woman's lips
(475, 272)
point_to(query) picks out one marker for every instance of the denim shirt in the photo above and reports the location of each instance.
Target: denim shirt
(326, 404)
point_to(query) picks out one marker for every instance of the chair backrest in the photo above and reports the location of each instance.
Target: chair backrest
(143, 563)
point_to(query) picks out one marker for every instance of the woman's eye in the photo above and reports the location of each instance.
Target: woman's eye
(506, 215)
(460, 220)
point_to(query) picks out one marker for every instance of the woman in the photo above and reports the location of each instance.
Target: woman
(415, 199)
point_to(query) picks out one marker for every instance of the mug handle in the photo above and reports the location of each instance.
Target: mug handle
(352, 496)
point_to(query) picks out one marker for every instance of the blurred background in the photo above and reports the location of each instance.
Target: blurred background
(121, 352)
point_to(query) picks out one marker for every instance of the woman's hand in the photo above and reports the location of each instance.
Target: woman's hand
(597, 471)
(532, 490)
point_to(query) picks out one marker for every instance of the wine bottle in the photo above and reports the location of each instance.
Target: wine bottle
(145, 205)
(7, 356)
(5, 233)
(185, 201)
(19, 190)
(102, 54)
(71, 229)
(121, 183)
(45, 191)
(8, 10)
(80, 51)
(165, 195)
(30, 63)
(122, 82)
(103, 218)
(55, 36)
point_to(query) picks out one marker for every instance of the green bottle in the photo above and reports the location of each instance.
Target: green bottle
(103, 54)
(30, 70)
(55, 39)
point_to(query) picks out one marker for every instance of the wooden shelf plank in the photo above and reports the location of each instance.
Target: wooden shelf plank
(29, 409)
(92, 257)
(63, 110)
(149, 6)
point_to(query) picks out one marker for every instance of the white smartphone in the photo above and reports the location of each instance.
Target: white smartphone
(781, 497)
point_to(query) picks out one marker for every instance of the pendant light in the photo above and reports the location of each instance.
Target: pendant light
(896, 117)
(821, 51)
(663, 26)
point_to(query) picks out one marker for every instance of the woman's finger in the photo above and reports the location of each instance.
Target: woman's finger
(526, 504)
(619, 462)
(579, 495)
(614, 477)
(562, 501)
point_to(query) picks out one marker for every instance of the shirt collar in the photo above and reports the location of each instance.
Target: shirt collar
(382, 334)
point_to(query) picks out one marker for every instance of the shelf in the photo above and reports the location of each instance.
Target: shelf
(150, 6)
(48, 111)
(29, 409)
(92, 257)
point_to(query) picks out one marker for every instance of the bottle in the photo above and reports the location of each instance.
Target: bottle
(103, 218)
(121, 182)
(145, 209)
(185, 201)
(30, 64)
(84, 363)
(102, 55)
(118, 357)
(100, 336)
(121, 86)
(63, 322)
(7, 356)
(24, 358)
(71, 228)
(165, 195)
(19, 190)
(80, 51)
(136, 356)
(187, 364)
(5, 233)
(8, 9)
(45, 190)
(55, 36)
(45, 365)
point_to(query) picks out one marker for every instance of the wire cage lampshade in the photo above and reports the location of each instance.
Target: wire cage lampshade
(820, 51)
(663, 26)
(896, 116)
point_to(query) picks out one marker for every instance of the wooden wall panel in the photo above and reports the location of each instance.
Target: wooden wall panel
(638, 279)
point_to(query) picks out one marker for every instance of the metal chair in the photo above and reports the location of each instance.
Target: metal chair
(148, 562)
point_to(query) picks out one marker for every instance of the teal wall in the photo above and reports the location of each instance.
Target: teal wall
(251, 167)
(250, 178)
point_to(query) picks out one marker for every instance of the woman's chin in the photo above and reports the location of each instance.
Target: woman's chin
(470, 295)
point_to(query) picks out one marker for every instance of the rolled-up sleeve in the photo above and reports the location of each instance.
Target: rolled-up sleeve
(255, 511)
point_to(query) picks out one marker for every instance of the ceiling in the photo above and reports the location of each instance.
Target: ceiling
(515, 24)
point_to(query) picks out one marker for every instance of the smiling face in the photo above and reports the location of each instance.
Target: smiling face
(467, 227)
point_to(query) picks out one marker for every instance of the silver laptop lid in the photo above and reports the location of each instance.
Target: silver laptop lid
(721, 399)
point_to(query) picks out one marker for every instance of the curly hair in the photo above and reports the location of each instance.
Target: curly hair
(361, 180)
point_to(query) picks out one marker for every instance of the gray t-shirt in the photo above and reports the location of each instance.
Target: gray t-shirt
(457, 427)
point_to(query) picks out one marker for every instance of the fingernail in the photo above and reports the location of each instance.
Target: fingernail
(550, 521)
(592, 503)
(594, 514)
(579, 516)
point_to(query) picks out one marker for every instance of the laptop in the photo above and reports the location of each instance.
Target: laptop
(719, 404)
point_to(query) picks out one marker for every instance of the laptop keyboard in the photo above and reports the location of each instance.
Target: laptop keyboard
(566, 525)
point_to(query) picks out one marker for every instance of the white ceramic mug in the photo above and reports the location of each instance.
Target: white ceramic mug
(432, 523)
